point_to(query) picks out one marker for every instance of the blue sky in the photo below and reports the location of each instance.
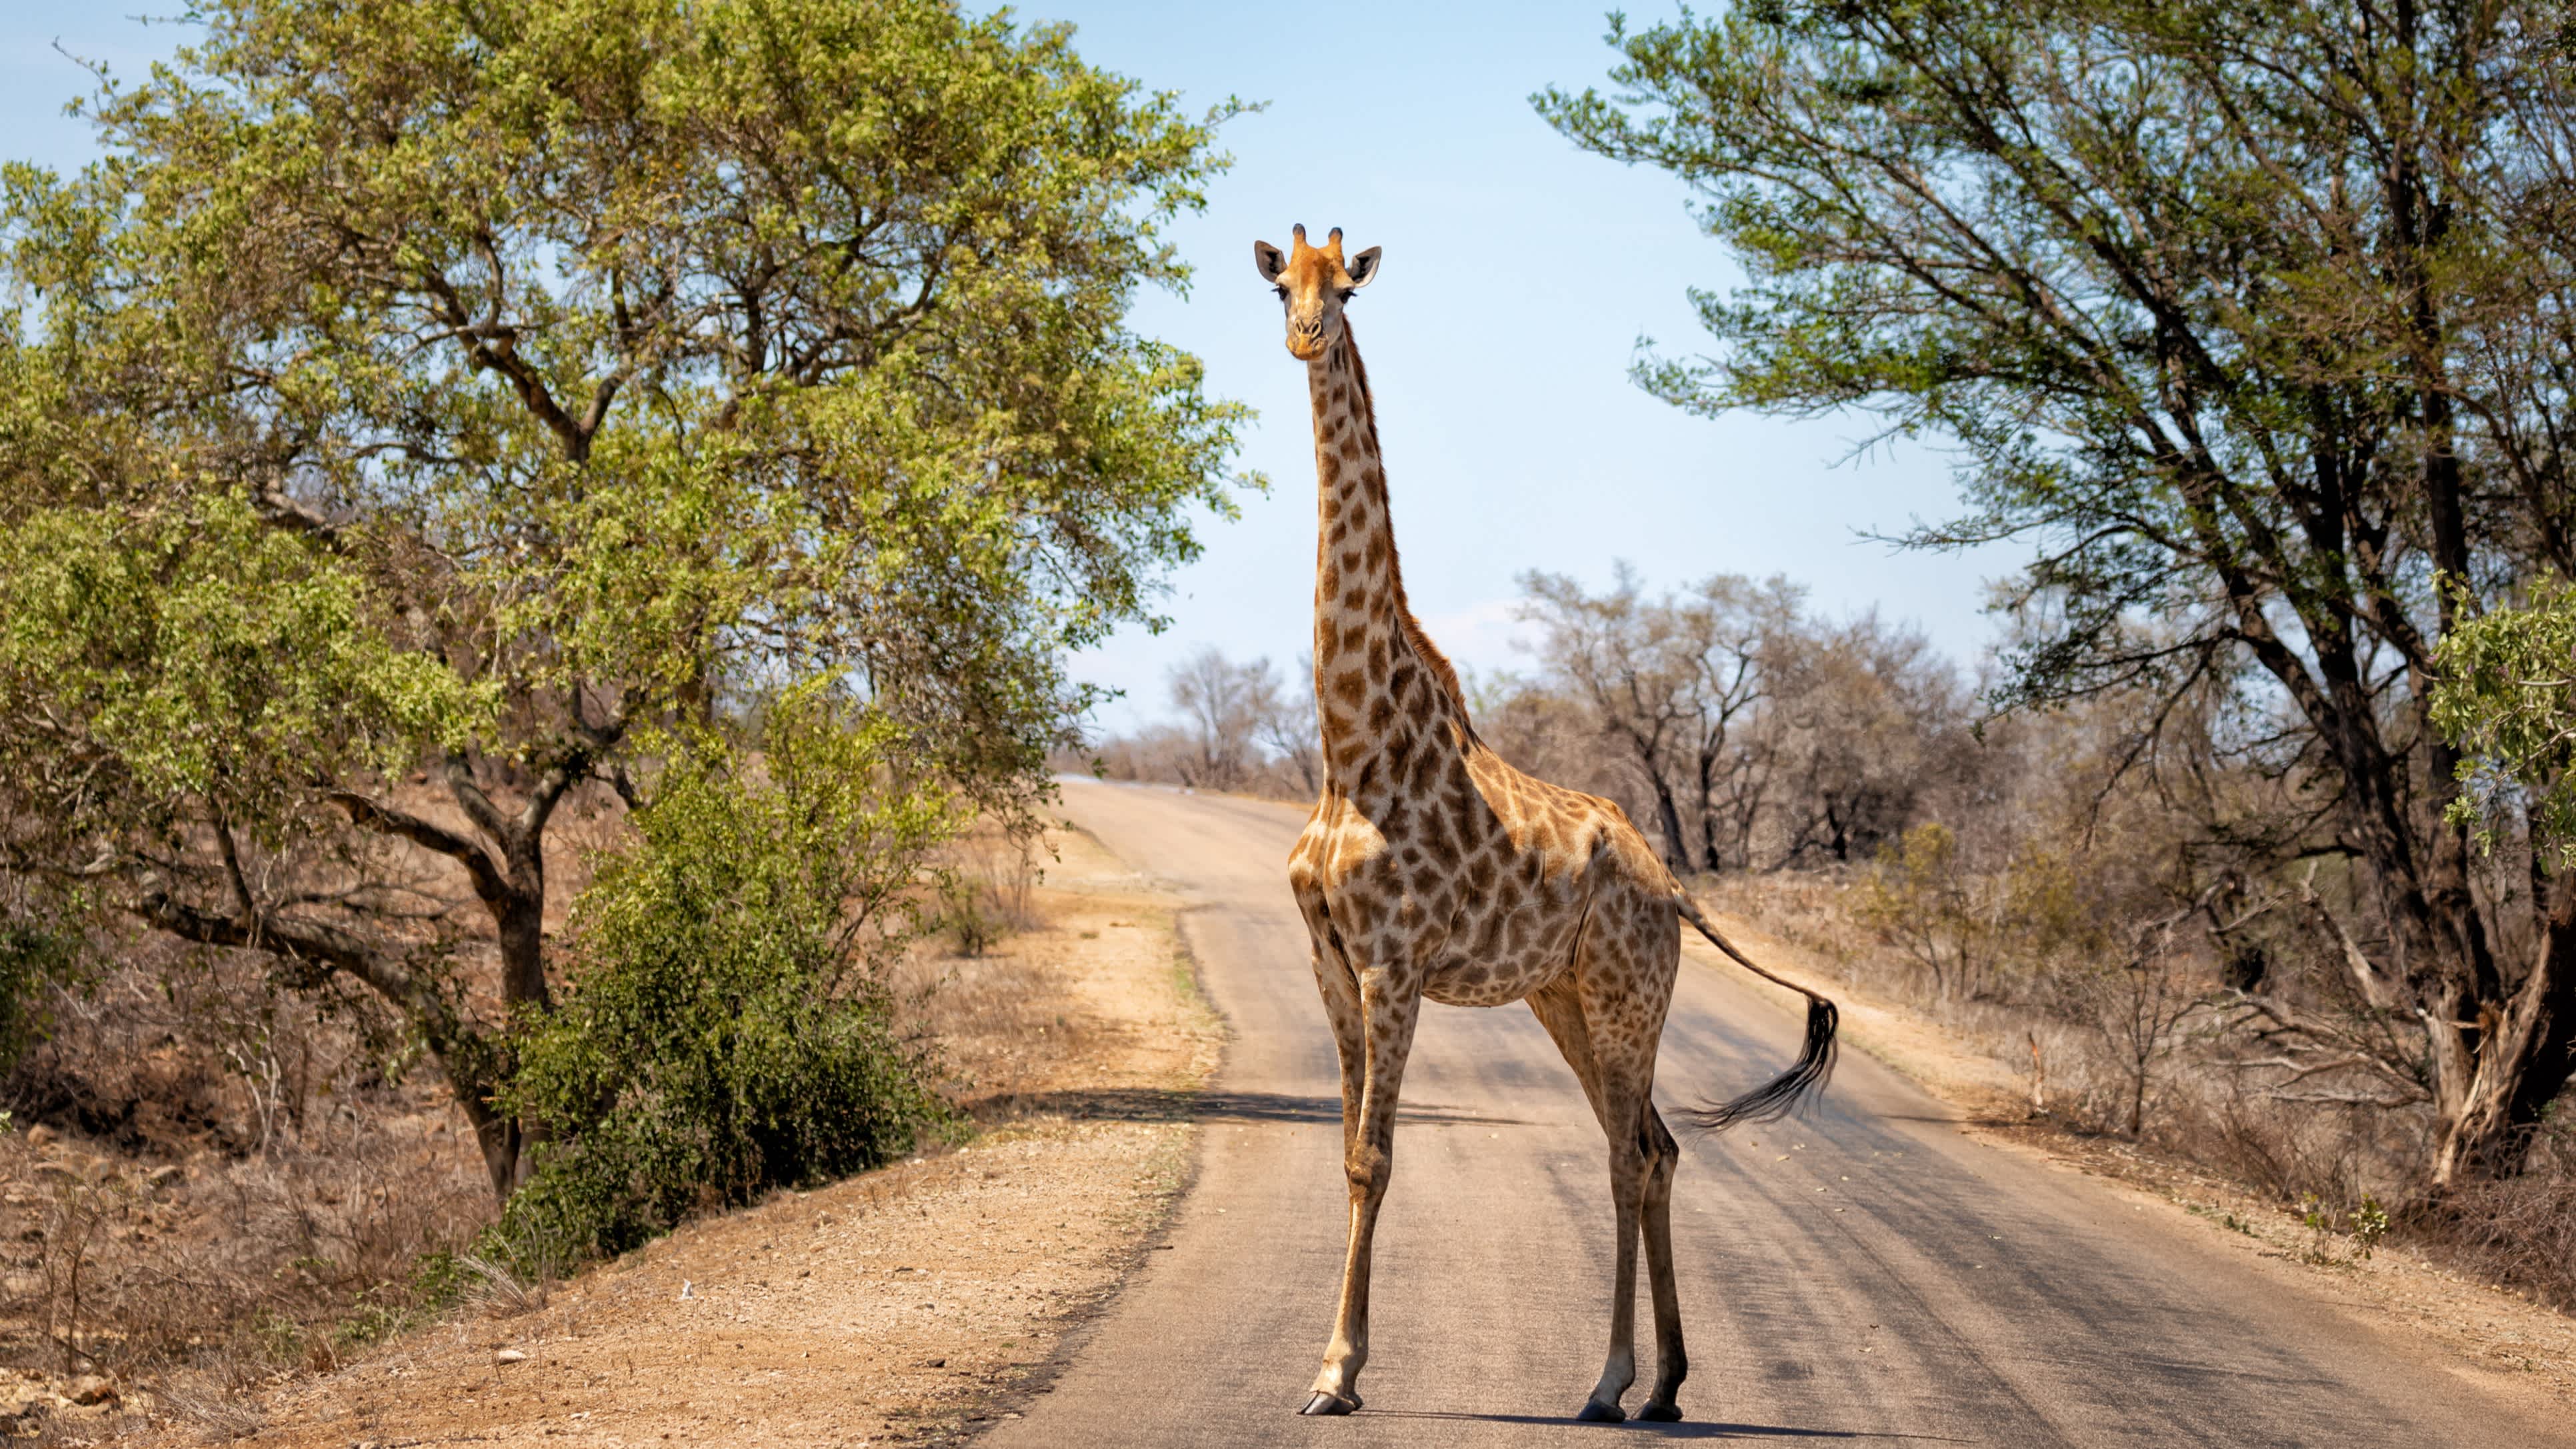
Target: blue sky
(1519, 274)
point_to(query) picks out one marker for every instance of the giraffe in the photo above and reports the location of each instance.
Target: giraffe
(1432, 868)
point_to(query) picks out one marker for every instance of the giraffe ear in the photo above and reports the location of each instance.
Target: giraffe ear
(1363, 268)
(1269, 259)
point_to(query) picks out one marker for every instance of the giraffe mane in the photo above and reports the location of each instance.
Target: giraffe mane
(1443, 672)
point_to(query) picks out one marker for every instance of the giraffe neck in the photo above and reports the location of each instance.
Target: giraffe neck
(1378, 678)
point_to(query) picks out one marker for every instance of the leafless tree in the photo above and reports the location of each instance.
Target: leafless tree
(1289, 730)
(1225, 709)
(1673, 685)
(1869, 717)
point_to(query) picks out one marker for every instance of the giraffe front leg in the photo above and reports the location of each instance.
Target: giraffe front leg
(1340, 988)
(1389, 1010)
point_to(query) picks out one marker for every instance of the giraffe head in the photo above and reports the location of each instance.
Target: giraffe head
(1313, 283)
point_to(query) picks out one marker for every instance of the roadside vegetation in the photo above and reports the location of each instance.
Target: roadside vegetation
(538, 547)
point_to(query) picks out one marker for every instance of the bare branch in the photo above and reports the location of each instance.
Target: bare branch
(489, 883)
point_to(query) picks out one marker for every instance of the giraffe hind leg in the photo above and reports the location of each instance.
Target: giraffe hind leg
(1559, 1008)
(1623, 980)
(1672, 1362)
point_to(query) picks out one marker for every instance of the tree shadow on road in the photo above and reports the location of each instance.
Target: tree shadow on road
(1157, 1104)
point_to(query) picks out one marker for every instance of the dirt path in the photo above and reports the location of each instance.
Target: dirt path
(902, 1306)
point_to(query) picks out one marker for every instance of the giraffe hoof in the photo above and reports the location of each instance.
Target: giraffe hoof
(1658, 1412)
(1329, 1405)
(1597, 1412)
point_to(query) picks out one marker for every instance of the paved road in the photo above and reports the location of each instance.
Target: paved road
(1869, 1274)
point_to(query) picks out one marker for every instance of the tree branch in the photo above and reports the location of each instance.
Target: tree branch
(489, 883)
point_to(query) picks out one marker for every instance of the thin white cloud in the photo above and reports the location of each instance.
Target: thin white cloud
(1483, 636)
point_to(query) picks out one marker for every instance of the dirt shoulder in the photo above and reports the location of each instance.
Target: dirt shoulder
(906, 1305)
(2492, 1330)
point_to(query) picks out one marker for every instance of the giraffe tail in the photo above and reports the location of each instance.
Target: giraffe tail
(1783, 1094)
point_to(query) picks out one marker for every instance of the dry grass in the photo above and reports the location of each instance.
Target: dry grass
(991, 872)
(214, 1184)
(2520, 1234)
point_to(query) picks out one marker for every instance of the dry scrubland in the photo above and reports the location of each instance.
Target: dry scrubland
(219, 1182)
(192, 1290)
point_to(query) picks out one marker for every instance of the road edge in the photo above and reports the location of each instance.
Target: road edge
(1011, 1401)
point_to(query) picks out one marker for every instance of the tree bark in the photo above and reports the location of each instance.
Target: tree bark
(2523, 1054)
(1668, 817)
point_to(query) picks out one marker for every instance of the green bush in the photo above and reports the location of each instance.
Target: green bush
(725, 1030)
(32, 962)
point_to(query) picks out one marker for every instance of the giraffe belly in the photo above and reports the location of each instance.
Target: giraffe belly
(1469, 983)
(1520, 952)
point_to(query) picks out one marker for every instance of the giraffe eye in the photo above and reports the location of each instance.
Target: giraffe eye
(1344, 294)
(1282, 291)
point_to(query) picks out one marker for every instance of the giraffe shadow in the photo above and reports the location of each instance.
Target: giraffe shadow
(1685, 1430)
(1155, 1104)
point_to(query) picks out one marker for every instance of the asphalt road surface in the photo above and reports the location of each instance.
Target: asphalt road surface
(1867, 1274)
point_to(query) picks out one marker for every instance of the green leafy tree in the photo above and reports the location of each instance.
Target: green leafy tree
(2507, 698)
(2253, 318)
(422, 398)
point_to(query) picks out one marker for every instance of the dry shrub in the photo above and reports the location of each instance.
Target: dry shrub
(233, 1265)
(217, 1418)
(983, 896)
(496, 1290)
(218, 1180)
(983, 1007)
(2204, 1113)
(1810, 909)
(1825, 912)
(2330, 1160)
(2519, 1233)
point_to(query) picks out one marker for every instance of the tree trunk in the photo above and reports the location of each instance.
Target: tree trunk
(519, 924)
(2522, 1056)
(1668, 818)
(1711, 858)
(502, 1139)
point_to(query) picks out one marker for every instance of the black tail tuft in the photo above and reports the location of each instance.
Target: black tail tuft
(1783, 1094)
